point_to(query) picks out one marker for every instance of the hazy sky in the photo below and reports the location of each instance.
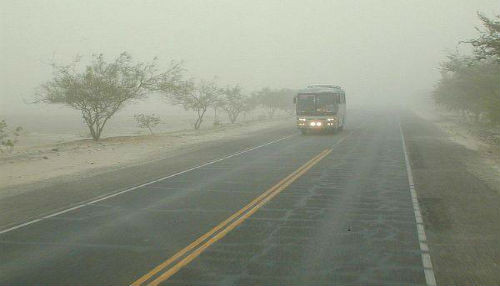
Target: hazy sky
(372, 48)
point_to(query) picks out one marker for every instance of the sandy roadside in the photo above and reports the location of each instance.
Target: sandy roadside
(82, 156)
(487, 167)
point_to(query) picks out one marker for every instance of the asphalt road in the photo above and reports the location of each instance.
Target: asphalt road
(303, 210)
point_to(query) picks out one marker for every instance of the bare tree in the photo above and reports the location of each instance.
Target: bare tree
(266, 98)
(148, 121)
(487, 45)
(234, 102)
(103, 87)
(197, 97)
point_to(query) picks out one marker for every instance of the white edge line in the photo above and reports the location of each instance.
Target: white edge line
(107, 196)
(424, 248)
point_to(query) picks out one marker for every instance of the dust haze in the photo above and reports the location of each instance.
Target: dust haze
(381, 52)
(250, 142)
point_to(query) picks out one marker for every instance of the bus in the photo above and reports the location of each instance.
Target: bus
(320, 107)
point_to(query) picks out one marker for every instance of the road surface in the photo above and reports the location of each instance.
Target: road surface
(276, 208)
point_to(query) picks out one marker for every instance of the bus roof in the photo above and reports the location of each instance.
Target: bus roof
(321, 89)
(323, 85)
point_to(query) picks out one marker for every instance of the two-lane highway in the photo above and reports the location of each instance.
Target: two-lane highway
(293, 210)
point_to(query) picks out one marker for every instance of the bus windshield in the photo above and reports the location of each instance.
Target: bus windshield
(316, 104)
(325, 103)
(305, 103)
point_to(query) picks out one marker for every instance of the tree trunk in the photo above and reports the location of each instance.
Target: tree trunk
(198, 122)
(93, 132)
(271, 112)
(233, 117)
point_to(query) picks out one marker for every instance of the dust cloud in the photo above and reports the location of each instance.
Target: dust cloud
(381, 52)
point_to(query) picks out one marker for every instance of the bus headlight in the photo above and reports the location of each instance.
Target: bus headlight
(302, 119)
(330, 119)
(315, 123)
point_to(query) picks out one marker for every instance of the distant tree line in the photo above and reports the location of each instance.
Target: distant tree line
(102, 88)
(275, 99)
(471, 84)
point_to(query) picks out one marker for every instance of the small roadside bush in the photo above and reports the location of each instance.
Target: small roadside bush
(148, 121)
(8, 138)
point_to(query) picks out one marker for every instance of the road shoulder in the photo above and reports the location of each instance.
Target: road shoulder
(459, 201)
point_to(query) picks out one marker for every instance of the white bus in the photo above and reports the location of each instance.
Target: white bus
(320, 107)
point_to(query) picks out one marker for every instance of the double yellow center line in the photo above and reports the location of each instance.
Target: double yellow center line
(161, 272)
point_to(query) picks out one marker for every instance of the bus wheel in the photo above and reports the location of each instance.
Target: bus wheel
(303, 131)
